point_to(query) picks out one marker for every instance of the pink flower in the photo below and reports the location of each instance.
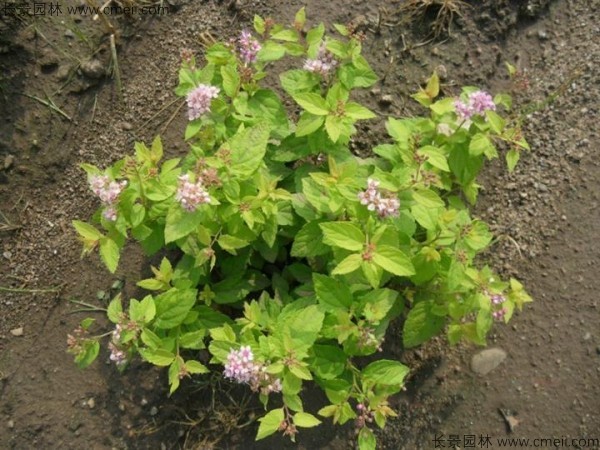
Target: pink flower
(478, 103)
(191, 195)
(322, 64)
(108, 192)
(199, 100)
(374, 201)
(240, 367)
(248, 47)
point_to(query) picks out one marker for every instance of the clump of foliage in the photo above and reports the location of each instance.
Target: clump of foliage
(295, 255)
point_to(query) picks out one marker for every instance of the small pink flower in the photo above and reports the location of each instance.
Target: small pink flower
(374, 201)
(323, 64)
(199, 100)
(248, 47)
(478, 103)
(191, 195)
(108, 192)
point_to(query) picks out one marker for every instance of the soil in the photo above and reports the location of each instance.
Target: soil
(61, 105)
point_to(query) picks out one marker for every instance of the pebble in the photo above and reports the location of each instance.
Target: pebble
(386, 100)
(93, 68)
(7, 254)
(153, 411)
(10, 424)
(126, 126)
(17, 331)
(91, 403)
(9, 160)
(487, 360)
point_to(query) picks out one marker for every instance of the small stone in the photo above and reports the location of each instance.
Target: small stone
(487, 360)
(10, 424)
(386, 100)
(7, 254)
(17, 331)
(144, 402)
(9, 160)
(542, 35)
(587, 336)
(63, 72)
(153, 411)
(93, 68)
(91, 403)
(126, 126)
(69, 34)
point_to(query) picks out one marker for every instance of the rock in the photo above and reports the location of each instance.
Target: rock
(153, 411)
(386, 100)
(126, 126)
(63, 72)
(69, 34)
(542, 35)
(487, 360)
(10, 424)
(91, 403)
(93, 68)
(9, 160)
(17, 331)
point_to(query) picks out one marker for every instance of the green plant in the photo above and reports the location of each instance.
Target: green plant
(294, 255)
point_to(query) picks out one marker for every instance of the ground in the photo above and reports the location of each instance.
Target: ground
(61, 105)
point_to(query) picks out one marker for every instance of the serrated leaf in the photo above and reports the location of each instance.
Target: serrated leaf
(248, 148)
(428, 198)
(308, 124)
(270, 423)
(512, 158)
(305, 420)
(195, 367)
(231, 79)
(331, 293)
(180, 223)
(356, 111)
(158, 357)
(88, 354)
(115, 309)
(393, 260)
(309, 241)
(366, 439)
(173, 306)
(435, 157)
(385, 372)
(344, 235)
(421, 324)
(348, 265)
(109, 251)
(86, 230)
(311, 102)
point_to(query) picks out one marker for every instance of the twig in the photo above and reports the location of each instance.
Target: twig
(171, 118)
(155, 115)
(50, 104)
(116, 71)
(30, 291)
(89, 306)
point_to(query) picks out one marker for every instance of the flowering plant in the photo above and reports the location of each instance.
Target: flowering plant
(294, 254)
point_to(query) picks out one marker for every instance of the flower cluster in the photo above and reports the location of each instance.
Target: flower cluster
(242, 368)
(374, 201)
(199, 100)
(364, 417)
(498, 299)
(108, 192)
(478, 103)
(248, 47)
(190, 194)
(117, 354)
(322, 64)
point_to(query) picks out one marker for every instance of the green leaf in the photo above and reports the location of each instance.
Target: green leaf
(421, 324)
(385, 372)
(435, 157)
(334, 127)
(366, 439)
(372, 273)
(481, 144)
(313, 103)
(479, 236)
(309, 241)
(231, 243)
(344, 235)
(173, 306)
(115, 309)
(393, 260)
(248, 148)
(328, 362)
(159, 357)
(348, 264)
(426, 217)
(428, 198)
(109, 251)
(305, 420)
(88, 354)
(271, 51)
(231, 79)
(378, 303)
(192, 339)
(259, 24)
(512, 158)
(308, 124)
(195, 367)
(496, 122)
(86, 230)
(296, 81)
(332, 294)
(151, 284)
(180, 223)
(270, 423)
(356, 111)
(151, 339)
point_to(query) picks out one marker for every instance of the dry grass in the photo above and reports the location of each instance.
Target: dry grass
(445, 12)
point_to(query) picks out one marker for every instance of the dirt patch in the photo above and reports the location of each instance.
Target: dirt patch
(546, 214)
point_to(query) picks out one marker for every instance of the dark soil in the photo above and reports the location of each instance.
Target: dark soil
(546, 214)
